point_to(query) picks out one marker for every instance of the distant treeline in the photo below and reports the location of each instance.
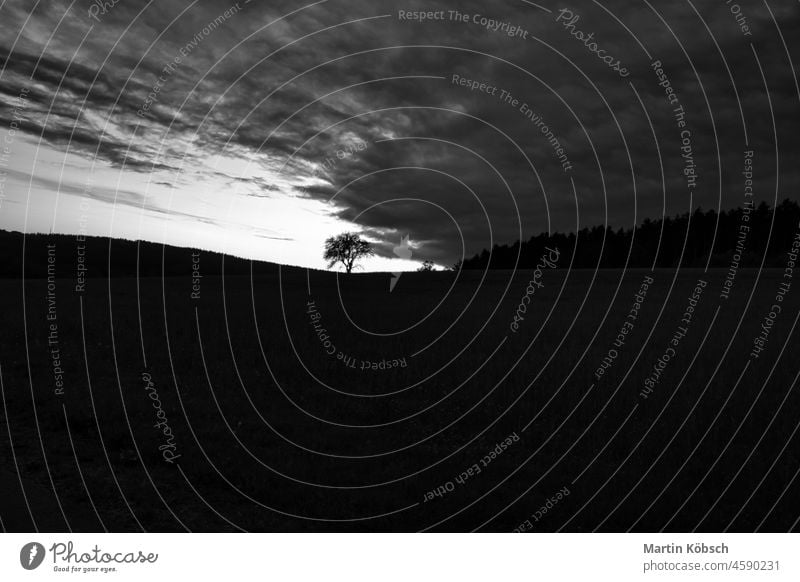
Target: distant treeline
(67, 256)
(685, 239)
(658, 242)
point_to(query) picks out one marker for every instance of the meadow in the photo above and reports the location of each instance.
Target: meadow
(295, 400)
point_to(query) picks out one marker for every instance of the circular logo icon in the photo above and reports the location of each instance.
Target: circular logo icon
(31, 555)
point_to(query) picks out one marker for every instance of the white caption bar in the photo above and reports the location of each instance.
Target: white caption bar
(399, 557)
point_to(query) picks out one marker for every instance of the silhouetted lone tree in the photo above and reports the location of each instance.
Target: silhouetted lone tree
(346, 249)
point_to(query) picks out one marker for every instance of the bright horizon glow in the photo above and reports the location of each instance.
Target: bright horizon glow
(218, 205)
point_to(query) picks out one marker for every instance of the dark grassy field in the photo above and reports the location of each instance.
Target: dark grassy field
(270, 432)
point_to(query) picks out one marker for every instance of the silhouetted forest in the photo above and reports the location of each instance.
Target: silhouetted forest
(67, 256)
(661, 243)
(684, 240)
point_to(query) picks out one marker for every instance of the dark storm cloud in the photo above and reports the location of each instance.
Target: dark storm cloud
(245, 83)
